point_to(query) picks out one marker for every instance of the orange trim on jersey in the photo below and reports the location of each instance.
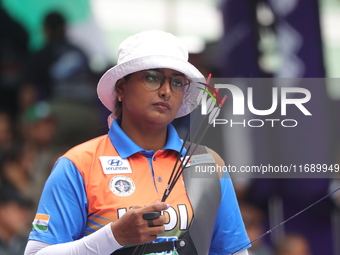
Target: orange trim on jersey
(104, 205)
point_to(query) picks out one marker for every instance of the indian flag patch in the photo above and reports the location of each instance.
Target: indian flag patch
(41, 222)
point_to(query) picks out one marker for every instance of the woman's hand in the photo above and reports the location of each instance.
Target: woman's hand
(132, 229)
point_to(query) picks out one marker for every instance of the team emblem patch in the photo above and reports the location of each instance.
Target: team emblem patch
(122, 186)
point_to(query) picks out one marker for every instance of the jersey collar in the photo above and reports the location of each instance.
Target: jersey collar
(126, 147)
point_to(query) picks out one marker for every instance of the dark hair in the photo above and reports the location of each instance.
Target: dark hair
(55, 23)
(118, 105)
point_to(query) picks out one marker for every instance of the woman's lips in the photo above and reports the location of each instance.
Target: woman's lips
(162, 105)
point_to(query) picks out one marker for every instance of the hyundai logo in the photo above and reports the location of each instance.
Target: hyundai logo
(115, 162)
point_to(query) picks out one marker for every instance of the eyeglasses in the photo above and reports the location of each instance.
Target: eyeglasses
(154, 80)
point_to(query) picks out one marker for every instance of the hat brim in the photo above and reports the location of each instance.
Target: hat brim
(106, 86)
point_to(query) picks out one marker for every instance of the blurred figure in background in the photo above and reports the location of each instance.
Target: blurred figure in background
(15, 168)
(253, 219)
(6, 132)
(38, 131)
(15, 214)
(293, 244)
(38, 126)
(26, 163)
(26, 156)
(13, 55)
(61, 75)
(277, 43)
(60, 68)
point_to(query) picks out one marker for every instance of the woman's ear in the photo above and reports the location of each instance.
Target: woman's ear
(119, 88)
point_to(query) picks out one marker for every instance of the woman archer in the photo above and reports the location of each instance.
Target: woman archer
(103, 196)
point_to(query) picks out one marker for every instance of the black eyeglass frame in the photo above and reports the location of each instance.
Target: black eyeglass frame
(170, 78)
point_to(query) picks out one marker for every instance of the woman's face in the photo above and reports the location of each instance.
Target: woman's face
(141, 104)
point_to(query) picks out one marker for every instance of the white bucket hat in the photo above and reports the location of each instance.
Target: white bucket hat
(147, 50)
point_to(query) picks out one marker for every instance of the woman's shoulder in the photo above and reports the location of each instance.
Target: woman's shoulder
(87, 148)
(217, 157)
